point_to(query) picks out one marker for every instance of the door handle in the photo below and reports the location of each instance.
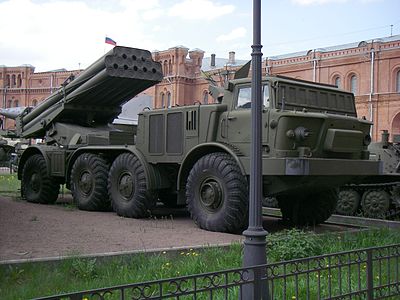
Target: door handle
(231, 118)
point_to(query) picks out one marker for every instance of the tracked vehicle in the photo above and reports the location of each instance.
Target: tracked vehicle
(376, 197)
(197, 155)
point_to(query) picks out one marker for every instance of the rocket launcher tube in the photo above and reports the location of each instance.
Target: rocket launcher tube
(92, 70)
(108, 83)
(88, 73)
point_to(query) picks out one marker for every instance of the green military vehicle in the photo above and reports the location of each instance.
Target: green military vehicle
(375, 197)
(196, 155)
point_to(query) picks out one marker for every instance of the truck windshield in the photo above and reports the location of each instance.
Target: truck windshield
(244, 97)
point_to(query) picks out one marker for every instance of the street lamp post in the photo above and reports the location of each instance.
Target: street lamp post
(255, 235)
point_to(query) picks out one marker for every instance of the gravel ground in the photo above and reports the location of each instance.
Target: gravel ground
(30, 230)
(36, 231)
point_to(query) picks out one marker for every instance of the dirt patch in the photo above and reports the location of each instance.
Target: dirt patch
(39, 231)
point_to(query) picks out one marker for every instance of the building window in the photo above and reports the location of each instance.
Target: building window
(338, 82)
(9, 103)
(34, 102)
(353, 84)
(165, 68)
(19, 80)
(398, 81)
(169, 100)
(162, 100)
(13, 81)
(205, 97)
(16, 103)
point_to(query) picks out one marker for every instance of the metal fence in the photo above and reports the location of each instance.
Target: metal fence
(371, 273)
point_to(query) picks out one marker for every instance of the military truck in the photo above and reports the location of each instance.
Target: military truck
(376, 197)
(196, 155)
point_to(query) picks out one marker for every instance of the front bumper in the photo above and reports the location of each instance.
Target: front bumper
(316, 166)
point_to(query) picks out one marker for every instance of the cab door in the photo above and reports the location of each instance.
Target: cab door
(239, 117)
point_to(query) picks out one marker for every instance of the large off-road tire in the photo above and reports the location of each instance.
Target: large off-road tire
(308, 209)
(348, 202)
(36, 185)
(217, 194)
(89, 182)
(128, 187)
(375, 203)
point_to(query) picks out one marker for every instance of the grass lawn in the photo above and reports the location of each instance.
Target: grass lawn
(39, 279)
(9, 185)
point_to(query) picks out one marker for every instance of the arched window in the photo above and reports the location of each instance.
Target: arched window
(9, 103)
(162, 100)
(169, 100)
(205, 97)
(19, 80)
(13, 81)
(165, 68)
(398, 81)
(34, 102)
(8, 81)
(16, 103)
(338, 82)
(170, 67)
(353, 84)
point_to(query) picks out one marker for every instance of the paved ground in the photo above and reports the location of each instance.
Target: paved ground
(37, 231)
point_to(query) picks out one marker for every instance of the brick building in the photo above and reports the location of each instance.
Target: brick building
(21, 86)
(371, 69)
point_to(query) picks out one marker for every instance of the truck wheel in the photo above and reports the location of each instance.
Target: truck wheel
(36, 185)
(348, 202)
(308, 208)
(127, 186)
(89, 182)
(217, 194)
(375, 203)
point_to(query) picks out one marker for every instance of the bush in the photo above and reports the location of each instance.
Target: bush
(292, 244)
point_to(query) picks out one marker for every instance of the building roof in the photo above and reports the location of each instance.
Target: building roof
(337, 47)
(220, 63)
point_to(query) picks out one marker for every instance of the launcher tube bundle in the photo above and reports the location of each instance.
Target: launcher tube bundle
(95, 97)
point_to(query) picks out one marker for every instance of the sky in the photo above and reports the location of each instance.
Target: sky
(54, 34)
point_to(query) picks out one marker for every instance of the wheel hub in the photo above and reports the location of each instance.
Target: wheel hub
(125, 185)
(211, 194)
(86, 183)
(376, 203)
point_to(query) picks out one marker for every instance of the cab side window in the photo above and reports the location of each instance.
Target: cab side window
(244, 98)
(266, 96)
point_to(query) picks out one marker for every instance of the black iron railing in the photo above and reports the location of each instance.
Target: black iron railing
(371, 273)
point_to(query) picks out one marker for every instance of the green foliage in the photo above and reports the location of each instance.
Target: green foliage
(84, 268)
(293, 243)
(9, 185)
(77, 274)
(15, 275)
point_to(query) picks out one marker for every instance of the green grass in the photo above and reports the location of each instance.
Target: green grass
(39, 279)
(9, 185)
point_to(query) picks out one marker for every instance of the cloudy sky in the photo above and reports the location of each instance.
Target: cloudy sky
(53, 34)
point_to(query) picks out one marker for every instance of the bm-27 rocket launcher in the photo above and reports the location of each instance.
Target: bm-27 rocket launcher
(93, 99)
(194, 155)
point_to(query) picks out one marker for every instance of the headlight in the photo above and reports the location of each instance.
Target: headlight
(367, 140)
(299, 134)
